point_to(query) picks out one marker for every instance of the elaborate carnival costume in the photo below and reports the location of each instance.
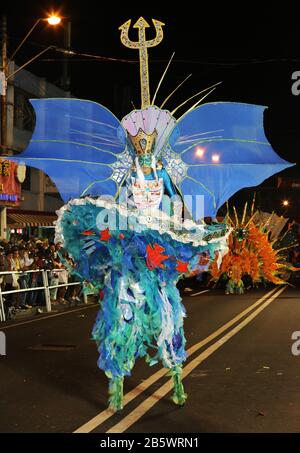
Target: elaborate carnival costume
(256, 251)
(126, 237)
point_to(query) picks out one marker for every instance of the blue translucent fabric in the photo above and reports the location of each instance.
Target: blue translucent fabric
(81, 145)
(76, 143)
(234, 132)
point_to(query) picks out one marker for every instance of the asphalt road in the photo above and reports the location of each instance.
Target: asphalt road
(241, 375)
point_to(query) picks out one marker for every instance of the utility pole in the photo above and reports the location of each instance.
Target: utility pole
(3, 112)
(3, 97)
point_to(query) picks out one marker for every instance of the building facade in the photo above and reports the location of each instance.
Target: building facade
(39, 197)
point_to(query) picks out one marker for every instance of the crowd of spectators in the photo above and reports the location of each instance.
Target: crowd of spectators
(34, 255)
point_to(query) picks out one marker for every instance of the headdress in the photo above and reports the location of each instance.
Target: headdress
(212, 150)
(142, 142)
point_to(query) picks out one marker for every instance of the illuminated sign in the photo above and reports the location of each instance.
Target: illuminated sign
(8, 197)
(4, 168)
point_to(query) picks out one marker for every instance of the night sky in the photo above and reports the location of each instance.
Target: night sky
(252, 49)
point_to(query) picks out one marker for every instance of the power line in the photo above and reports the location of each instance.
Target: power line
(92, 57)
(196, 62)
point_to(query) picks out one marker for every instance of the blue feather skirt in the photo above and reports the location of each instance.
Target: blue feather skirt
(134, 262)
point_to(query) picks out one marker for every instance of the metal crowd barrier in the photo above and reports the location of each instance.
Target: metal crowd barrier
(46, 287)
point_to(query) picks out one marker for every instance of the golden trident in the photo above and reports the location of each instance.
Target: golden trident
(142, 44)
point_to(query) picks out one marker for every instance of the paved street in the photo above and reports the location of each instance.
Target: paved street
(240, 375)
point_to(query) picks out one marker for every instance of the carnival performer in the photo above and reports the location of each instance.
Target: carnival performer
(257, 251)
(136, 193)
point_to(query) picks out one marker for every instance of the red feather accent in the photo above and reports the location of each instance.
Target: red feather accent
(154, 257)
(182, 266)
(105, 235)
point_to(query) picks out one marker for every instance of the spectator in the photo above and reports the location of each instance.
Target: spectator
(54, 280)
(9, 282)
(33, 283)
(63, 277)
(34, 254)
(24, 262)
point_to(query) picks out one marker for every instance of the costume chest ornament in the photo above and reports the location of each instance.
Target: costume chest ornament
(147, 194)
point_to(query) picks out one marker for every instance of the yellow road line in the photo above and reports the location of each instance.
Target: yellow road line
(146, 405)
(107, 413)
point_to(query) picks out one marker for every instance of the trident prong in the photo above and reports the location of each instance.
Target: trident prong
(142, 44)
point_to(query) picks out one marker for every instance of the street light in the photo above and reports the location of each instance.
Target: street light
(215, 158)
(285, 205)
(53, 20)
(199, 152)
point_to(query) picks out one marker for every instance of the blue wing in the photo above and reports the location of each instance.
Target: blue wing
(80, 144)
(217, 149)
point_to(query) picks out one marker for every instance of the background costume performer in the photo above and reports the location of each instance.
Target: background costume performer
(257, 251)
(125, 235)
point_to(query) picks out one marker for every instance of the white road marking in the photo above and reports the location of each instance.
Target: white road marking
(201, 292)
(47, 317)
(146, 405)
(107, 413)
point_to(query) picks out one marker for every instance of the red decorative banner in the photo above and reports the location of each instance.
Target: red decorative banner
(11, 177)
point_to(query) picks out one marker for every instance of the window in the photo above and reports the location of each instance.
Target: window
(24, 117)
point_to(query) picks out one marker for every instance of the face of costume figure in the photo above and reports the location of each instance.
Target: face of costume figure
(145, 163)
